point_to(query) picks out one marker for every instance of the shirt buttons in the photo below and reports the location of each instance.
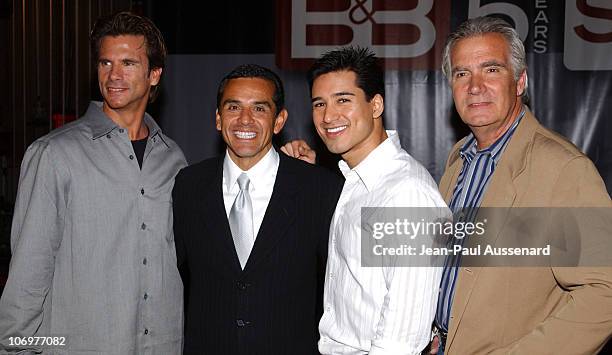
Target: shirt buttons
(143, 226)
(145, 296)
(131, 157)
(108, 136)
(120, 130)
(144, 261)
(146, 331)
(242, 285)
(142, 191)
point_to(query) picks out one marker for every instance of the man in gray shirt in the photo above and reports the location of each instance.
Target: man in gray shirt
(94, 265)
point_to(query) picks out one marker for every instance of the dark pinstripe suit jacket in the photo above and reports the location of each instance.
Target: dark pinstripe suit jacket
(272, 306)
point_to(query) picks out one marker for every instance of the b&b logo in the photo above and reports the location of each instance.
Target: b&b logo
(410, 34)
(588, 35)
(401, 32)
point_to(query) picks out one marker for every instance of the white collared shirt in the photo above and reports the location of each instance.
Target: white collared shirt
(262, 176)
(378, 310)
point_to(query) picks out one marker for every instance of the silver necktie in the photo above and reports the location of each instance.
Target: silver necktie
(241, 221)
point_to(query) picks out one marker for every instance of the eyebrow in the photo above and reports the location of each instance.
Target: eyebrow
(265, 103)
(230, 101)
(341, 93)
(234, 101)
(489, 63)
(492, 63)
(130, 59)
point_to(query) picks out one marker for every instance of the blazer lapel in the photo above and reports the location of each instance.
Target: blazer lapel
(449, 180)
(279, 215)
(214, 216)
(502, 190)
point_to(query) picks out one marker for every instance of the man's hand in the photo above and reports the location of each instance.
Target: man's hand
(301, 150)
(435, 344)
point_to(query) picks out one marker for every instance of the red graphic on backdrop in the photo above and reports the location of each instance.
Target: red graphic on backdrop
(405, 34)
(595, 12)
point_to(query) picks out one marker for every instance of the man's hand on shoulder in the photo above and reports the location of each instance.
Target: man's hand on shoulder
(301, 150)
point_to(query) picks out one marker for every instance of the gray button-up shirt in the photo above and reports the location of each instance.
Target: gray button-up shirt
(92, 242)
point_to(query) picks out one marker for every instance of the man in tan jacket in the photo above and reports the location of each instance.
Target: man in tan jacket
(510, 160)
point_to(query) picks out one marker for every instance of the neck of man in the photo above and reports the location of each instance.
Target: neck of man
(132, 120)
(361, 150)
(246, 163)
(487, 135)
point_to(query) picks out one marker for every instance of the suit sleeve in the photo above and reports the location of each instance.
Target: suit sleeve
(36, 233)
(584, 323)
(331, 186)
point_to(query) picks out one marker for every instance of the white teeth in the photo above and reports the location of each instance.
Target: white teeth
(245, 135)
(336, 129)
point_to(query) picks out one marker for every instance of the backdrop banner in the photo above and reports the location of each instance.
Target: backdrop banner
(569, 51)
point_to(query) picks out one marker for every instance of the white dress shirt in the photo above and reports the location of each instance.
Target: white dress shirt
(262, 176)
(378, 310)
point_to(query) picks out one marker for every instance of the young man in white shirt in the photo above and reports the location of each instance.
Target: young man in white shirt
(369, 310)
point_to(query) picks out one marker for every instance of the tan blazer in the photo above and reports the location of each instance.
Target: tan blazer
(544, 310)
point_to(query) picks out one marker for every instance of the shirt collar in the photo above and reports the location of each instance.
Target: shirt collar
(266, 167)
(100, 124)
(376, 164)
(469, 149)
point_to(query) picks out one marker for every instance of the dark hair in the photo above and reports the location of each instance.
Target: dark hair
(126, 23)
(255, 71)
(359, 60)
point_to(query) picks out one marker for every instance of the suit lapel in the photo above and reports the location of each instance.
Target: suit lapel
(215, 218)
(279, 215)
(449, 180)
(501, 192)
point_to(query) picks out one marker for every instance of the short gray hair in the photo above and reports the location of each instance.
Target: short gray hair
(480, 26)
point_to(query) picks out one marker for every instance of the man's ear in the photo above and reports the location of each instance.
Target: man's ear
(378, 105)
(217, 120)
(154, 76)
(521, 84)
(280, 121)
